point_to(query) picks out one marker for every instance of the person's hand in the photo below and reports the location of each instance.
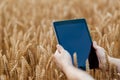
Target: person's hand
(62, 58)
(100, 52)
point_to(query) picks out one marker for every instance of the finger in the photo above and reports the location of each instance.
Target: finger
(56, 55)
(60, 48)
(95, 44)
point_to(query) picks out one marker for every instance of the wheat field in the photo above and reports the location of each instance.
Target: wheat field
(27, 39)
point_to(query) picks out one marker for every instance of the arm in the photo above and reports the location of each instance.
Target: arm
(116, 62)
(63, 60)
(74, 73)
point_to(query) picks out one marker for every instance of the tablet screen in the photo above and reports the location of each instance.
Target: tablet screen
(74, 36)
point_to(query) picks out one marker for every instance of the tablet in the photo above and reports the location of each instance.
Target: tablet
(74, 36)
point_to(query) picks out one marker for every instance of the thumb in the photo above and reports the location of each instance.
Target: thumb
(95, 44)
(60, 48)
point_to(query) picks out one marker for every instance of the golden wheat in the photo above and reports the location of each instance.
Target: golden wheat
(27, 40)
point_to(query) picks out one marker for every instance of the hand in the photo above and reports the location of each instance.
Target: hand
(62, 58)
(100, 52)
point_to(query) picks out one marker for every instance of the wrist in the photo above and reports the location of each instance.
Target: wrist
(110, 59)
(67, 68)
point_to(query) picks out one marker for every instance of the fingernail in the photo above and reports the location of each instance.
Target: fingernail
(57, 46)
(95, 43)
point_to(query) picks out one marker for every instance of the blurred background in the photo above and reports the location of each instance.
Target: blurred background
(27, 40)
